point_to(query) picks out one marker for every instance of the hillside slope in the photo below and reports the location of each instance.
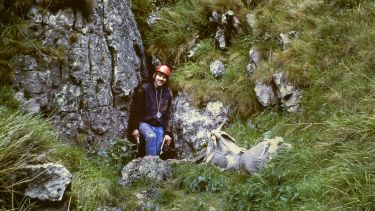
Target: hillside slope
(332, 58)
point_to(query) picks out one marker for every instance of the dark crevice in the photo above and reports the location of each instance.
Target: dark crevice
(143, 70)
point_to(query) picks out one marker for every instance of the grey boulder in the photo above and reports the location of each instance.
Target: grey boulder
(151, 167)
(48, 182)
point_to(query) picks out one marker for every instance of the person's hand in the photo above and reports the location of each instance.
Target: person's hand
(168, 139)
(135, 134)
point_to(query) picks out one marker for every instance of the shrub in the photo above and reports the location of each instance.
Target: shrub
(121, 152)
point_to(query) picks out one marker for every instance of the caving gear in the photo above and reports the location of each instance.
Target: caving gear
(163, 69)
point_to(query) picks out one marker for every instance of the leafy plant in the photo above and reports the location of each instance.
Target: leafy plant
(200, 178)
(121, 152)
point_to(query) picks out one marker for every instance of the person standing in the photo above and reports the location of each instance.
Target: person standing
(151, 112)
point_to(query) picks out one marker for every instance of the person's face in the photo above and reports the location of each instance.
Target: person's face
(160, 79)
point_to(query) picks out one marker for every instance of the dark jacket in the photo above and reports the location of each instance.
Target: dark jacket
(145, 107)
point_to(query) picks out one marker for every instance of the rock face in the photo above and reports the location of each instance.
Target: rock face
(147, 167)
(284, 91)
(251, 20)
(89, 86)
(192, 127)
(227, 24)
(49, 181)
(265, 94)
(289, 94)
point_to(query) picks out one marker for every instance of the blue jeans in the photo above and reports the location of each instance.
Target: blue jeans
(153, 137)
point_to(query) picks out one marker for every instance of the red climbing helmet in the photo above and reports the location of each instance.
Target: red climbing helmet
(163, 69)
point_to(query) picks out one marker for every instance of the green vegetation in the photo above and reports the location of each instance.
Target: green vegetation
(201, 179)
(7, 98)
(95, 180)
(23, 139)
(331, 58)
(16, 36)
(331, 164)
(26, 139)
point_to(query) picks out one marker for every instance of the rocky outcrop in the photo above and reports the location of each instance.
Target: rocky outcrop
(46, 182)
(151, 167)
(289, 94)
(153, 18)
(88, 85)
(251, 20)
(287, 38)
(227, 24)
(192, 126)
(145, 199)
(254, 61)
(282, 91)
(265, 94)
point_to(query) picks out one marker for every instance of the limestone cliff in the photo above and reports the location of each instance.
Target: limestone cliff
(88, 89)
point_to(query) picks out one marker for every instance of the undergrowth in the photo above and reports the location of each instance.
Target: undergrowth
(331, 58)
(330, 166)
(23, 138)
(95, 181)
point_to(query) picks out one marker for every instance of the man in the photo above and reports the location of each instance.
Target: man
(151, 112)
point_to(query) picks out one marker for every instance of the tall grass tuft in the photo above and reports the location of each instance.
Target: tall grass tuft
(142, 10)
(95, 181)
(177, 31)
(22, 139)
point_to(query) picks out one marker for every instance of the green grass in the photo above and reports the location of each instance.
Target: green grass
(94, 182)
(332, 59)
(201, 178)
(330, 166)
(180, 27)
(23, 138)
(142, 9)
(27, 139)
(7, 98)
